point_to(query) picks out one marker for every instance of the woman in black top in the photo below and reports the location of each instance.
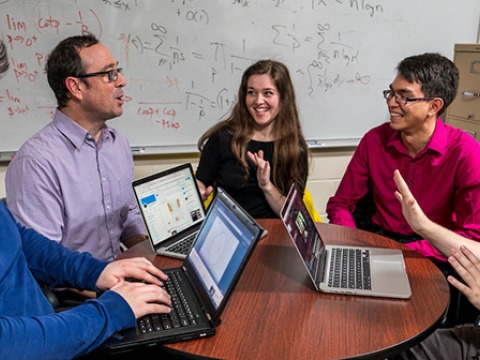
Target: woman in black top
(259, 150)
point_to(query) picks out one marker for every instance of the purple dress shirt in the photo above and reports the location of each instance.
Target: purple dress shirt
(444, 178)
(74, 191)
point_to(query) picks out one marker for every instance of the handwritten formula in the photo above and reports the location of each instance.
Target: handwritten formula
(183, 59)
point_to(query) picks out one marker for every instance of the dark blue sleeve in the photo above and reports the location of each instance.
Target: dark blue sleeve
(67, 334)
(28, 326)
(57, 266)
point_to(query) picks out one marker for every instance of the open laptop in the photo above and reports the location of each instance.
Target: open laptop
(207, 277)
(172, 209)
(379, 271)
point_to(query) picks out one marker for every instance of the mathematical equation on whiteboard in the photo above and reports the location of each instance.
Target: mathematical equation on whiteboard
(183, 59)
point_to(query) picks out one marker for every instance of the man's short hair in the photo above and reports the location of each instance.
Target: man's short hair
(64, 61)
(437, 76)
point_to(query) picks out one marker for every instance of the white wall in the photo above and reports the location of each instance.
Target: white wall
(327, 169)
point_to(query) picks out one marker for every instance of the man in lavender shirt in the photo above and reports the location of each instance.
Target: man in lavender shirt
(71, 180)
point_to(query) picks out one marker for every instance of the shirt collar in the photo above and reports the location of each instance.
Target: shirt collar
(76, 134)
(438, 142)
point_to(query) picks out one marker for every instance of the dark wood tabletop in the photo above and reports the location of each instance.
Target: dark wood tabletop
(275, 312)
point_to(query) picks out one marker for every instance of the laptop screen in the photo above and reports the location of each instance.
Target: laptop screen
(221, 249)
(302, 229)
(169, 202)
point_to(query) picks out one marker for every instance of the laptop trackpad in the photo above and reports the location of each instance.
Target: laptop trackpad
(388, 266)
(389, 276)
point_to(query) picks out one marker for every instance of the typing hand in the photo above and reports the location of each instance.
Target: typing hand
(137, 268)
(144, 299)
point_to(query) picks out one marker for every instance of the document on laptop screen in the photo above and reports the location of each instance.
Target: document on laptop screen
(169, 204)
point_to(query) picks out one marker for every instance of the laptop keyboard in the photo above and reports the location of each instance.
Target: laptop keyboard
(350, 269)
(180, 316)
(183, 247)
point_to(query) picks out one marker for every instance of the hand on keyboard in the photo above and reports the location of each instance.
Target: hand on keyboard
(144, 298)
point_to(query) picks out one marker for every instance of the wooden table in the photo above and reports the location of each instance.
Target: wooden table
(275, 312)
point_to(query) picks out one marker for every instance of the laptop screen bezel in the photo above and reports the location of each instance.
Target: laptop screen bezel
(150, 178)
(294, 199)
(189, 268)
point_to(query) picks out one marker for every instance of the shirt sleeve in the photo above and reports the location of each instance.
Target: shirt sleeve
(57, 266)
(133, 224)
(467, 195)
(67, 334)
(36, 190)
(44, 334)
(426, 249)
(353, 186)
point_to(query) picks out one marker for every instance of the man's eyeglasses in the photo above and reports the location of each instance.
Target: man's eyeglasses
(401, 100)
(111, 74)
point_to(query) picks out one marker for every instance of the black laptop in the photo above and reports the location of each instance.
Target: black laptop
(205, 280)
(172, 209)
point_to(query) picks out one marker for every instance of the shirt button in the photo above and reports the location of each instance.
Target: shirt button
(108, 207)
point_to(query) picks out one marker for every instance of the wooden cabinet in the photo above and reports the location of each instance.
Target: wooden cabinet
(464, 112)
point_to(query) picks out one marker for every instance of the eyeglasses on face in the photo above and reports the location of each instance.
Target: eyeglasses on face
(401, 100)
(111, 74)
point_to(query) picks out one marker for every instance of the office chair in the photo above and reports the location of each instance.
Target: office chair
(364, 211)
(308, 200)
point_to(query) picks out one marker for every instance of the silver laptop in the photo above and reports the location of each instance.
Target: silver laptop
(172, 209)
(204, 282)
(367, 271)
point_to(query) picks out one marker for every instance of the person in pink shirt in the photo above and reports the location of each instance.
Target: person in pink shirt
(439, 162)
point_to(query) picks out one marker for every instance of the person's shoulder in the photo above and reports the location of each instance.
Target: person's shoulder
(381, 133)
(221, 136)
(381, 129)
(41, 143)
(223, 133)
(461, 138)
(461, 145)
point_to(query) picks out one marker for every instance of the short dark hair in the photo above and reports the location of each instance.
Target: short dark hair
(64, 61)
(3, 58)
(437, 76)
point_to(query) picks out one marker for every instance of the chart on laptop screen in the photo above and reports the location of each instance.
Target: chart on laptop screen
(170, 204)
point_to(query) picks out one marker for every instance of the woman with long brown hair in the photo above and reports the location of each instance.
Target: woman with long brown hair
(259, 150)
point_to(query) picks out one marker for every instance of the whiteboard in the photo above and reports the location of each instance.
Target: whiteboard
(183, 59)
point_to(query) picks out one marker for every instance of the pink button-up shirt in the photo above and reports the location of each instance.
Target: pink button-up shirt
(444, 178)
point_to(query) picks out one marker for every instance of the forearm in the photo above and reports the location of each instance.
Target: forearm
(274, 198)
(58, 266)
(339, 214)
(67, 334)
(444, 239)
